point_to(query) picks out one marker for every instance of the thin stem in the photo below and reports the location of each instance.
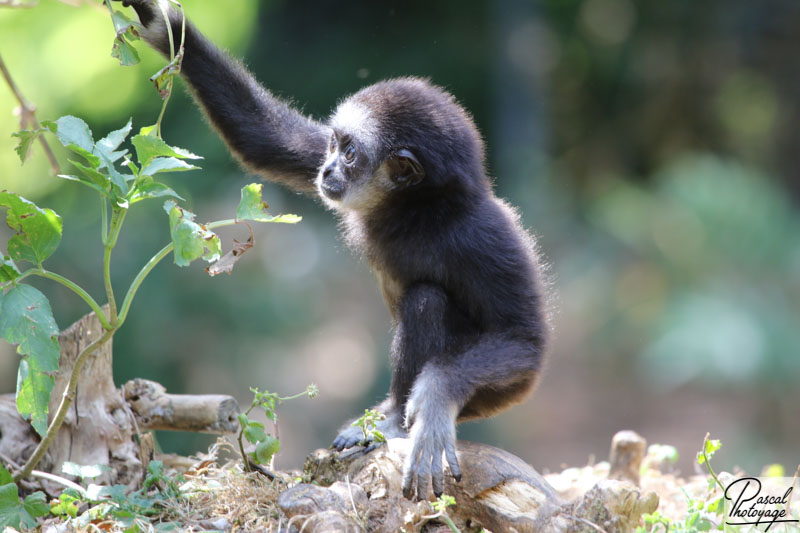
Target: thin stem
(241, 451)
(137, 281)
(66, 402)
(708, 464)
(28, 110)
(71, 285)
(165, 13)
(77, 289)
(117, 217)
(103, 220)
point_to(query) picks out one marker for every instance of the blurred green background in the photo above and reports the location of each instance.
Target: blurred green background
(651, 146)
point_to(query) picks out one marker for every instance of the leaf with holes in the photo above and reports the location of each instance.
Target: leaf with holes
(37, 231)
(191, 240)
(26, 320)
(127, 31)
(8, 270)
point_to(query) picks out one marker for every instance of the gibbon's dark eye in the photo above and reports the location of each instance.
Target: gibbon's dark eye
(350, 153)
(332, 146)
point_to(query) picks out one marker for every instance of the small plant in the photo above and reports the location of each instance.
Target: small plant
(135, 511)
(702, 514)
(440, 506)
(26, 318)
(368, 424)
(266, 446)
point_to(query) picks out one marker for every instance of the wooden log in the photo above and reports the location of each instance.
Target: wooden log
(154, 408)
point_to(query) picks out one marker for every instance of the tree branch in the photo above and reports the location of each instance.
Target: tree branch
(27, 110)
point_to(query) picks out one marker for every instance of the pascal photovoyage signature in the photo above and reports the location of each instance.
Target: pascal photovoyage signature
(749, 507)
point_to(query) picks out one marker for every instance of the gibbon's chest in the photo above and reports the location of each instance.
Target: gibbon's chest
(392, 291)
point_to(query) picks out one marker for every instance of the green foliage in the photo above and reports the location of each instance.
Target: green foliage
(37, 232)
(266, 446)
(710, 447)
(440, 506)
(8, 270)
(703, 513)
(192, 241)
(149, 147)
(115, 502)
(252, 207)
(26, 320)
(25, 315)
(443, 502)
(16, 513)
(368, 424)
(126, 33)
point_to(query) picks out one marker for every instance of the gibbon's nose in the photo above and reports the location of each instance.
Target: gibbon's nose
(333, 189)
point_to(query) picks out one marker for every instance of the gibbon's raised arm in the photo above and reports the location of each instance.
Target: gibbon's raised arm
(269, 136)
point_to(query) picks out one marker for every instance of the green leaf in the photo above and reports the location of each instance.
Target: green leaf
(253, 207)
(26, 319)
(191, 240)
(72, 131)
(243, 420)
(12, 512)
(5, 476)
(166, 164)
(38, 231)
(94, 176)
(127, 31)
(33, 394)
(266, 449)
(118, 180)
(84, 181)
(67, 505)
(148, 188)
(254, 432)
(155, 473)
(149, 147)
(36, 504)
(105, 147)
(710, 447)
(8, 270)
(26, 139)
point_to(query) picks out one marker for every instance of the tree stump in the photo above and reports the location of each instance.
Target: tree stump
(100, 425)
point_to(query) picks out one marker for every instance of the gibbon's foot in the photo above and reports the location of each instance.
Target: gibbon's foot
(433, 434)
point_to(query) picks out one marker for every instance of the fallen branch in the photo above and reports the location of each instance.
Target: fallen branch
(154, 408)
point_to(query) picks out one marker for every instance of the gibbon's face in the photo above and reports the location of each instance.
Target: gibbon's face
(354, 177)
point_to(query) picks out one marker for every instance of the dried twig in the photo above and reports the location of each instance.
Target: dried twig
(27, 112)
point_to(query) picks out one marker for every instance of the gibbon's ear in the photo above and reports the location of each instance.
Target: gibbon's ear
(404, 168)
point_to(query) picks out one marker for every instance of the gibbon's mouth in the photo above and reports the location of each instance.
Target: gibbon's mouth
(333, 189)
